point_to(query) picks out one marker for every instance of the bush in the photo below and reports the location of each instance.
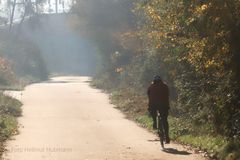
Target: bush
(230, 151)
(9, 110)
(9, 106)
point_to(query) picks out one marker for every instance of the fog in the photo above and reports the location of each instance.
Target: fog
(77, 38)
(63, 49)
(46, 7)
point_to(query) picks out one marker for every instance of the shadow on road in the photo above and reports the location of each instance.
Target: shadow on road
(172, 150)
(57, 81)
(66, 81)
(175, 151)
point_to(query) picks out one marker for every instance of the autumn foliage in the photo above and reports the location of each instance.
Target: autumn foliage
(6, 74)
(198, 42)
(193, 45)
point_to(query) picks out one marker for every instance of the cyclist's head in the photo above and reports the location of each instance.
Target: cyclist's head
(157, 79)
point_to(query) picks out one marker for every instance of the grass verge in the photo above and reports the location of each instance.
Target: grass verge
(182, 129)
(10, 109)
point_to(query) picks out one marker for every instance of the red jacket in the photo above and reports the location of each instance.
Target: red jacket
(158, 95)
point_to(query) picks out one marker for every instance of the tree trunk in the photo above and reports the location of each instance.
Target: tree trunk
(12, 15)
(56, 6)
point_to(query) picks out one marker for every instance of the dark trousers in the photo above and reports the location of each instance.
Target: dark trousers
(164, 116)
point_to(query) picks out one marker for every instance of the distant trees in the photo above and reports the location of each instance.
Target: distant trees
(24, 57)
(26, 8)
(103, 22)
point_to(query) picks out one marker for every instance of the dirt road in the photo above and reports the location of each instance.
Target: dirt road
(65, 119)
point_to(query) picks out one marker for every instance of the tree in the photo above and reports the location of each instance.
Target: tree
(198, 42)
(103, 22)
(28, 8)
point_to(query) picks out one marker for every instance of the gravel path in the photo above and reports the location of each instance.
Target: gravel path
(66, 119)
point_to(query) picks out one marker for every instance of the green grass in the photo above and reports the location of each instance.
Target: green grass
(230, 151)
(204, 142)
(10, 109)
(145, 121)
(9, 106)
(8, 125)
(216, 146)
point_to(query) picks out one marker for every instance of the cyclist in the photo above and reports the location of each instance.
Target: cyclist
(158, 97)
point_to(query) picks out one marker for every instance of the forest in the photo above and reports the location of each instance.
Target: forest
(193, 45)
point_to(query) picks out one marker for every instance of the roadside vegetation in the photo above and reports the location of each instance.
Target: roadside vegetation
(193, 45)
(10, 109)
(23, 61)
(20, 64)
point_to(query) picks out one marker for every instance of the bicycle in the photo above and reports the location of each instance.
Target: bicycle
(160, 129)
